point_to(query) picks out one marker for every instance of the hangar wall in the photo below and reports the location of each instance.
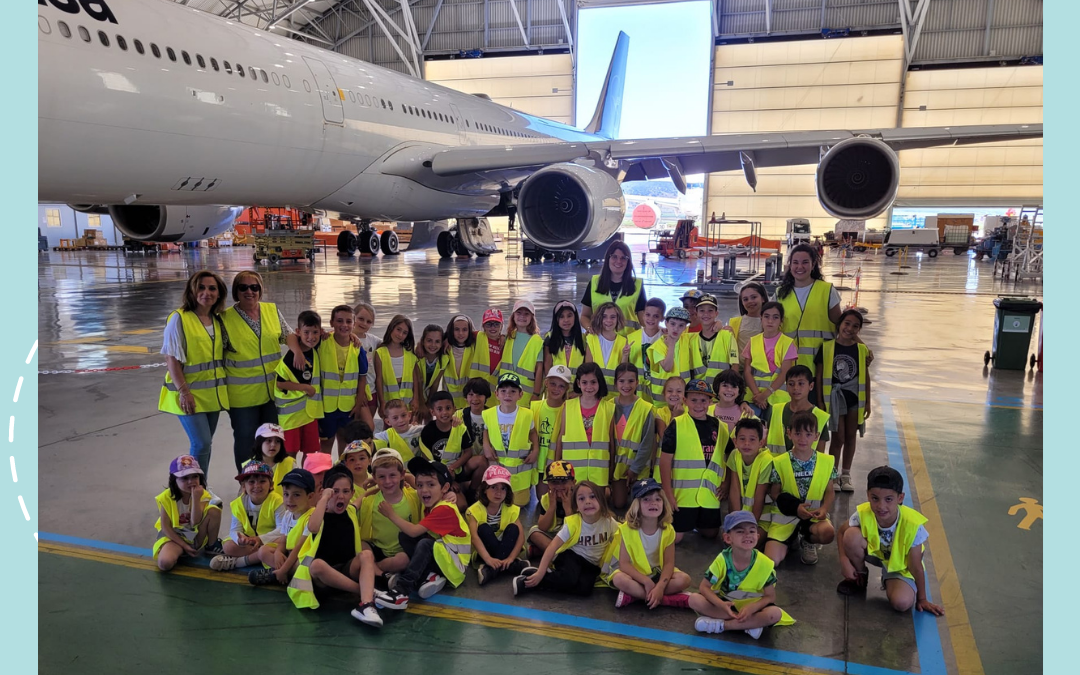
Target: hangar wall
(536, 84)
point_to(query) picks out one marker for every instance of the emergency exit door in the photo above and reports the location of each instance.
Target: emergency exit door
(328, 91)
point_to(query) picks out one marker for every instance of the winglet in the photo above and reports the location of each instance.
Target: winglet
(608, 115)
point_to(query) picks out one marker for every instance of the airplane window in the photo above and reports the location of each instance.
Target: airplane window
(228, 68)
(239, 70)
(251, 71)
(103, 37)
(351, 97)
(307, 87)
(171, 53)
(155, 50)
(213, 64)
(199, 58)
(383, 102)
(285, 79)
(64, 30)
(139, 47)
(277, 80)
(264, 77)
(84, 34)
(186, 57)
(121, 42)
(390, 104)
(43, 25)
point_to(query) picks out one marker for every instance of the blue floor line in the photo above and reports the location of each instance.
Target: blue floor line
(927, 638)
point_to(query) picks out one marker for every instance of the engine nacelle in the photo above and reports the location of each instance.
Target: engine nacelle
(857, 178)
(170, 224)
(570, 207)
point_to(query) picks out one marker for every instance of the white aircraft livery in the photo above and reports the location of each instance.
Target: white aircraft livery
(166, 118)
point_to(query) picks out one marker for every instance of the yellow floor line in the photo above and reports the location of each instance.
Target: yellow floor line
(968, 661)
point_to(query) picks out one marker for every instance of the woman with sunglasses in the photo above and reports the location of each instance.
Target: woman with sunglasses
(256, 332)
(616, 283)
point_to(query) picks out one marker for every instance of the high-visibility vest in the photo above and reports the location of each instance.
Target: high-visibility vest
(783, 526)
(297, 531)
(694, 480)
(204, 368)
(397, 442)
(369, 510)
(724, 352)
(759, 366)
(546, 419)
(280, 469)
(525, 368)
(301, 589)
(442, 363)
(295, 408)
(627, 303)
(481, 365)
(639, 354)
(636, 550)
(763, 463)
(172, 510)
(590, 459)
(457, 375)
(393, 387)
(774, 440)
(573, 524)
(264, 523)
(629, 445)
(592, 345)
(453, 553)
(339, 391)
(688, 365)
(512, 458)
(906, 529)
(508, 515)
(828, 352)
(662, 413)
(751, 588)
(576, 359)
(809, 326)
(452, 450)
(249, 367)
(556, 522)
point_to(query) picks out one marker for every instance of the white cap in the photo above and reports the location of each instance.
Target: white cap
(387, 452)
(524, 304)
(561, 372)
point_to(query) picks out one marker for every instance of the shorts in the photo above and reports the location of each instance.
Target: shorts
(688, 519)
(329, 425)
(803, 528)
(886, 574)
(378, 553)
(303, 439)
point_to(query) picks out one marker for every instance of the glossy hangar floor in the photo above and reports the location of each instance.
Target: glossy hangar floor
(968, 440)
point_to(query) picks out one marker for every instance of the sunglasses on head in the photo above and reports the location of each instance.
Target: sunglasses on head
(255, 288)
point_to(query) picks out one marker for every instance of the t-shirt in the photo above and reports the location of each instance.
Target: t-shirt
(749, 326)
(342, 354)
(521, 340)
(592, 540)
(770, 352)
(587, 417)
(302, 375)
(410, 436)
(804, 473)
(845, 368)
(887, 534)
(429, 370)
(476, 430)
(435, 439)
(605, 347)
(803, 293)
(494, 518)
(785, 420)
(384, 534)
(651, 544)
(708, 430)
(443, 521)
(763, 476)
(252, 511)
(286, 520)
(495, 350)
(706, 345)
(729, 415)
(734, 577)
(560, 512)
(337, 545)
(370, 343)
(615, 293)
(506, 425)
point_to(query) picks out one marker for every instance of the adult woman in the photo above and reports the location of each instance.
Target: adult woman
(811, 304)
(616, 283)
(256, 332)
(194, 349)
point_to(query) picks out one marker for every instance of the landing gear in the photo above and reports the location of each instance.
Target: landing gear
(369, 242)
(445, 244)
(468, 236)
(346, 243)
(389, 242)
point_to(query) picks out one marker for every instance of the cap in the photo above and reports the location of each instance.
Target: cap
(561, 372)
(707, 300)
(564, 303)
(356, 446)
(509, 380)
(523, 304)
(184, 465)
(270, 430)
(387, 452)
(255, 469)
(644, 487)
(736, 518)
(699, 387)
(420, 465)
(300, 478)
(885, 477)
(678, 313)
(496, 474)
(560, 470)
(318, 462)
(492, 315)
(693, 294)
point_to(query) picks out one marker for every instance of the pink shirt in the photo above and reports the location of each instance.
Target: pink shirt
(770, 350)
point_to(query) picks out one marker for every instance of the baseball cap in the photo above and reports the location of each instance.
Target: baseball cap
(492, 315)
(523, 304)
(693, 294)
(885, 477)
(270, 430)
(707, 300)
(561, 372)
(678, 313)
(387, 452)
(699, 387)
(420, 465)
(644, 487)
(564, 303)
(560, 470)
(509, 380)
(356, 446)
(736, 518)
(255, 469)
(318, 462)
(496, 474)
(301, 479)
(184, 465)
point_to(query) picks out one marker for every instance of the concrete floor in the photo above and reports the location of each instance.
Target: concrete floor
(969, 440)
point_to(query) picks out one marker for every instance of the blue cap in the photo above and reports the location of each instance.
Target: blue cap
(644, 487)
(301, 479)
(736, 518)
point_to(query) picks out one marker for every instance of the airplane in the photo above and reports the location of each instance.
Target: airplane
(167, 118)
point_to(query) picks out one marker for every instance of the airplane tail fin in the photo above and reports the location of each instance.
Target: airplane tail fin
(608, 115)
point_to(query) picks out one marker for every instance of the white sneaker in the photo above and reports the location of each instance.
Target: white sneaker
(222, 563)
(754, 632)
(433, 585)
(391, 600)
(808, 552)
(836, 485)
(845, 483)
(367, 614)
(706, 625)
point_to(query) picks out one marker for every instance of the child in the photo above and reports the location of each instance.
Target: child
(580, 547)
(357, 457)
(889, 535)
(729, 387)
(766, 360)
(739, 589)
(546, 414)
(400, 434)
(510, 437)
(443, 438)
(253, 519)
(844, 382)
(672, 406)
(477, 392)
(299, 397)
(397, 371)
(673, 356)
(298, 487)
(690, 300)
(489, 348)
(344, 375)
(565, 343)
(748, 323)
(318, 464)
(495, 527)
(432, 359)
(750, 466)
(560, 492)
(439, 546)
(376, 529)
(633, 430)
(585, 424)
(522, 352)
(798, 481)
(333, 555)
(605, 345)
(189, 515)
(460, 346)
(270, 450)
(692, 464)
(641, 339)
(363, 320)
(641, 560)
(799, 383)
(716, 345)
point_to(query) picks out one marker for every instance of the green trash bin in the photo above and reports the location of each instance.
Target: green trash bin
(1013, 324)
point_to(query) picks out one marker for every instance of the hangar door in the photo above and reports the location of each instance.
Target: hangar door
(540, 85)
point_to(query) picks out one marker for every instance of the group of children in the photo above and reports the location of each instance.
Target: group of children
(658, 421)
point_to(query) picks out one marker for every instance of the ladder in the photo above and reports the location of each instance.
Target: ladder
(1026, 257)
(513, 239)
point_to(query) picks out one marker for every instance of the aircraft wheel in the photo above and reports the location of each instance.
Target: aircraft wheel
(346, 242)
(459, 248)
(445, 244)
(389, 242)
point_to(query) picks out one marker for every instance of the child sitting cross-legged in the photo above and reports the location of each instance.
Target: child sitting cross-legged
(298, 494)
(495, 526)
(376, 529)
(188, 514)
(254, 527)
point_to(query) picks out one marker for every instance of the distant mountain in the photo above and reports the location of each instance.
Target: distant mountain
(651, 188)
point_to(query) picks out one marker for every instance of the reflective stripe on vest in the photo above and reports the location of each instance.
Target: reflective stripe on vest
(457, 375)
(512, 458)
(265, 523)
(452, 450)
(809, 326)
(525, 368)
(295, 408)
(907, 527)
(774, 440)
(625, 303)
(783, 526)
(392, 386)
(339, 392)
(721, 355)
(687, 363)
(204, 368)
(592, 345)
(759, 365)
(632, 439)
(591, 459)
(452, 553)
(301, 590)
(249, 368)
(694, 480)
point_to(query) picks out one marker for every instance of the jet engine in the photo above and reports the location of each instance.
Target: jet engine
(172, 223)
(570, 206)
(857, 178)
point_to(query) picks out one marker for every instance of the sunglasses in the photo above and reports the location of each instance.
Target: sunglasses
(255, 288)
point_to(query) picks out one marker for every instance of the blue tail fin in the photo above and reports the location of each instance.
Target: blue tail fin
(608, 115)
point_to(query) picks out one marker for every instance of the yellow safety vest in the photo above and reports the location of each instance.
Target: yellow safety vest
(172, 510)
(512, 458)
(249, 367)
(301, 589)
(576, 359)
(573, 523)
(694, 480)
(828, 351)
(452, 553)
(442, 363)
(280, 469)
(297, 530)
(774, 440)
(546, 420)
(525, 368)
(783, 526)
(724, 353)
(763, 463)
(452, 449)
(545, 502)
(759, 366)
(626, 303)
(339, 391)
(265, 522)
(457, 375)
(662, 413)
(392, 386)
(633, 436)
(397, 442)
(906, 529)
(295, 408)
(638, 355)
(811, 326)
(369, 510)
(636, 550)
(591, 459)
(751, 588)
(508, 515)
(204, 369)
(688, 365)
(592, 345)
